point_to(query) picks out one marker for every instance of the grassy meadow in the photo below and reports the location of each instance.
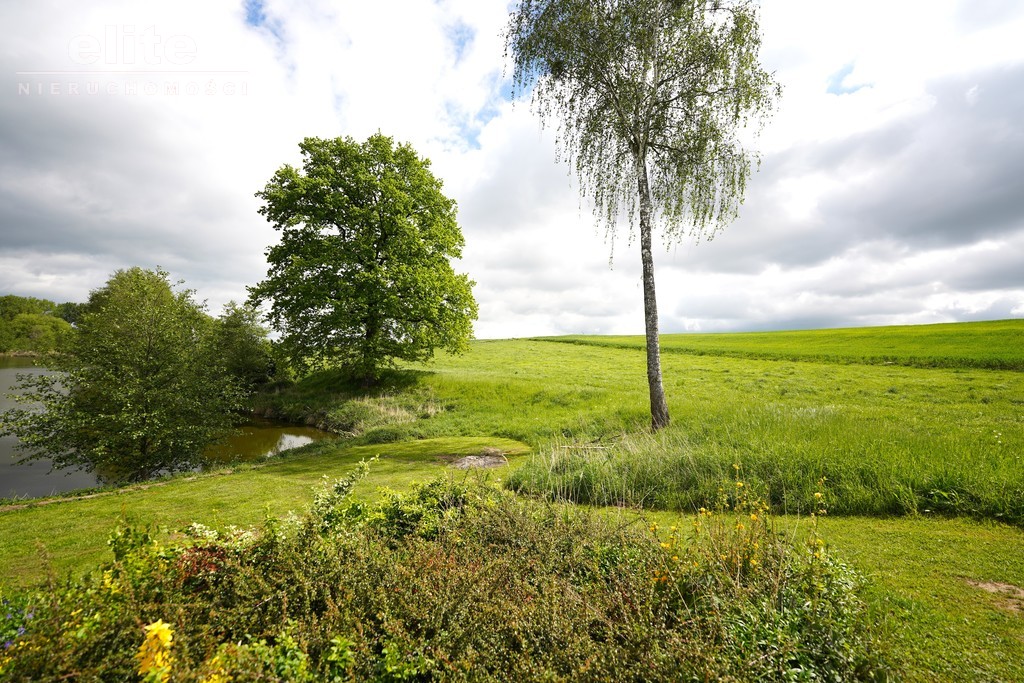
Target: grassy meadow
(888, 439)
(911, 438)
(995, 344)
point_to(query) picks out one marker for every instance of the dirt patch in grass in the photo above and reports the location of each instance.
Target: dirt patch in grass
(488, 457)
(1011, 598)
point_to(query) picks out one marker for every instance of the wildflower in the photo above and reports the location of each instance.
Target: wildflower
(154, 654)
(818, 495)
(108, 583)
(218, 674)
(753, 517)
(739, 484)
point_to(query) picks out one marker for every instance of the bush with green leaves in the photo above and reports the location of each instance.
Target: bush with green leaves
(457, 581)
(140, 390)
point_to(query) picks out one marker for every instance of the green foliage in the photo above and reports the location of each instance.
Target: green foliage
(36, 333)
(502, 589)
(242, 346)
(331, 401)
(362, 274)
(15, 617)
(648, 89)
(139, 391)
(69, 311)
(12, 305)
(73, 531)
(31, 325)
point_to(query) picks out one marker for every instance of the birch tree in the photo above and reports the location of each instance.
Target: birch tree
(650, 98)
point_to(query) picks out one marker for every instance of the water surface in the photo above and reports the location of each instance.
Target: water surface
(256, 440)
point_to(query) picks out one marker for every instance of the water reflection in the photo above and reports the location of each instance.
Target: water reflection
(260, 439)
(256, 440)
(35, 478)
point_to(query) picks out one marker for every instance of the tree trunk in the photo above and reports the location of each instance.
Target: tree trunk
(659, 407)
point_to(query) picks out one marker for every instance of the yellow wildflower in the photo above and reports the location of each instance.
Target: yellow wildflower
(218, 675)
(108, 583)
(154, 654)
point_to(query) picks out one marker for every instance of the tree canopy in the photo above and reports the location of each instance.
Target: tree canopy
(35, 333)
(140, 390)
(31, 325)
(650, 97)
(241, 344)
(362, 274)
(12, 305)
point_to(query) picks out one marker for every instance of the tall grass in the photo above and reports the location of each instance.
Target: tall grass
(891, 439)
(865, 472)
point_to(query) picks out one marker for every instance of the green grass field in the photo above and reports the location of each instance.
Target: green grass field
(918, 433)
(997, 344)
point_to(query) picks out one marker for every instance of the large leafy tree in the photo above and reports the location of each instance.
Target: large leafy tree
(362, 274)
(650, 97)
(140, 390)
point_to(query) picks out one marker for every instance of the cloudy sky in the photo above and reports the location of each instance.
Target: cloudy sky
(891, 188)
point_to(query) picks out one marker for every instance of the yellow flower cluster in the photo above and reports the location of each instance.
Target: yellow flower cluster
(154, 654)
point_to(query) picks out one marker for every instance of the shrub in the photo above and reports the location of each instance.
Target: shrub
(458, 580)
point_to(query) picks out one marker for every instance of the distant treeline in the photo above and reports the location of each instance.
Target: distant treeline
(31, 325)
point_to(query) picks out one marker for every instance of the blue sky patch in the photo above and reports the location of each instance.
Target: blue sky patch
(461, 36)
(254, 13)
(836, 85)
(256, 17)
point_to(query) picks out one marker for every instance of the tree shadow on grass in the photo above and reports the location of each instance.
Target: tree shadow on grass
(342, 383)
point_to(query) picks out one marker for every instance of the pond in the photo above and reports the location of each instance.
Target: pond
(256, 440)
